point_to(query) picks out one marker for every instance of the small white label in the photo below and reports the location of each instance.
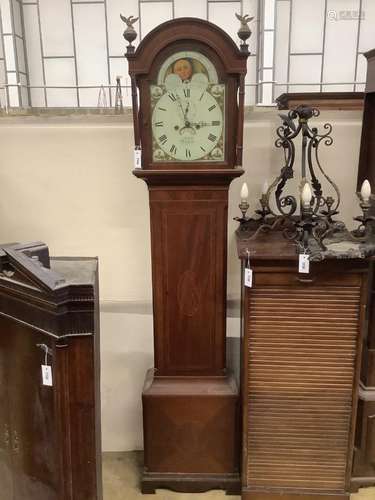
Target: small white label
(47, 375)
(304, 263)
(248, 277)
(137, 158)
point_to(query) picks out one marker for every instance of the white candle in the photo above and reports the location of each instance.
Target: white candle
(244, 192)
(306, 195)
(366, 191)
(265, 187)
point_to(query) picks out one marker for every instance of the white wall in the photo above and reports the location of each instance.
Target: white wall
(67, 181)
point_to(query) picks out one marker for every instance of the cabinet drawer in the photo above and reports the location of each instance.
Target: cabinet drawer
(313, 279)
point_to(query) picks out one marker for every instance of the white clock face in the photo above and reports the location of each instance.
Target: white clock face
(188, 115)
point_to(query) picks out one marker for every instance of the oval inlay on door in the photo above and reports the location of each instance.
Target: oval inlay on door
(188, 293)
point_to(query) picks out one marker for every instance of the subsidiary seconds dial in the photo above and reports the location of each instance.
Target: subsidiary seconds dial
(187, 124)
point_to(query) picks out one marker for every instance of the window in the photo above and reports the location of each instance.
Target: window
(70, 53)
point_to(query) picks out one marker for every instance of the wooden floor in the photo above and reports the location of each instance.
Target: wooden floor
(121, 472)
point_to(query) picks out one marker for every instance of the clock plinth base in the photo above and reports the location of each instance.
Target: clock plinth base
(267, 495)
(191, 483)
(191, 433)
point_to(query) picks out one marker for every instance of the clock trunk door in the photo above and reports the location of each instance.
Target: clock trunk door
(189, 256)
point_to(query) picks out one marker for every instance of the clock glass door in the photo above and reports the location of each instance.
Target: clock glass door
(188, 110)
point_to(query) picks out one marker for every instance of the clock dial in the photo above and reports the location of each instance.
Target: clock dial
(188, 119)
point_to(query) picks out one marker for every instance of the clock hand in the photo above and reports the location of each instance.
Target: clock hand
(200, 124)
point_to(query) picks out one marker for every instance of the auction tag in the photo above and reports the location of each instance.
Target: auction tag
(47, 375)
(137, 157)
(248, 277)
(304, 263)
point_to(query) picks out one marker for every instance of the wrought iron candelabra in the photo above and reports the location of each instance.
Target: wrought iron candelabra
(314, 222)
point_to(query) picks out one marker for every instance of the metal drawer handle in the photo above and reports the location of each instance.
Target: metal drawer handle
(306, 280)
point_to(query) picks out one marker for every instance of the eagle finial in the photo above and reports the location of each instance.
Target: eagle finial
(244, 32)
(129, 34)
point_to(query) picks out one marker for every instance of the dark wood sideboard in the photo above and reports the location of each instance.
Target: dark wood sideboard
(301, 354)
(364, 451)
(50, 443)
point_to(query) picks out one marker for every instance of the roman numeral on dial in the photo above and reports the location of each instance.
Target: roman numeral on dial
(159, 124)
(212, 107)
(215, 123)
(163, 139)
(188, 153)
(173, 150)
(172, 97)
(187, 92)
(212, 137)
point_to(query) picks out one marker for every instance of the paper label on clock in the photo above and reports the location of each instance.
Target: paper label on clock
(304, 263)
(248, 279)
(137, 158)
(47, 375)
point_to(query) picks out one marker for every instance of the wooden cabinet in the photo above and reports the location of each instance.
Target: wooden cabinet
(49, 435)
(301, 355)
(363, 473)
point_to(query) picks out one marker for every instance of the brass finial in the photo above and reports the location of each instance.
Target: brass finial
(244, 32)
(129, 34)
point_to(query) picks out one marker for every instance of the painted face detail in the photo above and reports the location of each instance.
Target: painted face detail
(183, 69)
(188, 110)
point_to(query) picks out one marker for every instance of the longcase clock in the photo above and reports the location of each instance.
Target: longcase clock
(188, 92)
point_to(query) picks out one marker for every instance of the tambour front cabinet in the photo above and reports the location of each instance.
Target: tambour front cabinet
(49, 425)
(301, 353)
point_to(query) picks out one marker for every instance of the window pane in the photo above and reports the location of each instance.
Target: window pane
(153, 14)
(196, 8)
(305, 69)
(91, 44)
(307, 26)
(224, 15)
(116, 27)
(281, 43)
(341, 42)
(61, 72)
(56, 23)
(367, 33)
